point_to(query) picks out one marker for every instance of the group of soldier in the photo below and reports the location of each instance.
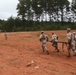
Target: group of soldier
(71, 41)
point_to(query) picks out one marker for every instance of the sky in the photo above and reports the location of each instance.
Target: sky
(8, 9)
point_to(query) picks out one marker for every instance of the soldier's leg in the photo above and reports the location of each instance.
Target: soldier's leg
(74, 50)
(43, 47)
(53, 44)
(5, 36)
(56, 46)
(46, 48)
(69, 48)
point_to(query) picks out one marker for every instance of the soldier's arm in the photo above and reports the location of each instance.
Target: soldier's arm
(40, 38)
(47, 38)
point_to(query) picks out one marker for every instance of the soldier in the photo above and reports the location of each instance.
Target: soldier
(71, 41)
(55, 41)
(74, 43)
(5, 34)
(43, 39)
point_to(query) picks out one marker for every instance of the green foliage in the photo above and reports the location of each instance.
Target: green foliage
(31, 16)
(16, 25)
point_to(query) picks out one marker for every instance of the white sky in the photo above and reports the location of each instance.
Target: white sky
(8, 8)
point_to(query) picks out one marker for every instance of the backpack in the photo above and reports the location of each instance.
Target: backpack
(43, 36)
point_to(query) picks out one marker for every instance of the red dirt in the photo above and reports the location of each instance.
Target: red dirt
(22, 48)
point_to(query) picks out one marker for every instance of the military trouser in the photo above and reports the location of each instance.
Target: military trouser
(71, 46)
(55, 44)
(44, 47)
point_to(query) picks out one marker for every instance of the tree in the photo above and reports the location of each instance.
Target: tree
(63, 5)
(37, 8)
(21, 7)
(73, 8)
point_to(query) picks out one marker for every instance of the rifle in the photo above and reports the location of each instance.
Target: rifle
(62, 44)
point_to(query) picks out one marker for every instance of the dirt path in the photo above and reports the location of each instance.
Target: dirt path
(22, 54)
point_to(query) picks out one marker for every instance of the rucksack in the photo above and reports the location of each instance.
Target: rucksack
(43, 36)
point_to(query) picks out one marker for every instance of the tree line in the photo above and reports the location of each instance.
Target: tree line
(41, 15)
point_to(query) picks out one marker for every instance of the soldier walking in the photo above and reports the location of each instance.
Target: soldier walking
(55, 41)
(5, 34)
(71, 41)
(74, 43)
(43, 39)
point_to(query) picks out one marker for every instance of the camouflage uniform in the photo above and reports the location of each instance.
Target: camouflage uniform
(55, 41)
(44, 38)
(5, 34)
(71, 41)
(74, 46)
